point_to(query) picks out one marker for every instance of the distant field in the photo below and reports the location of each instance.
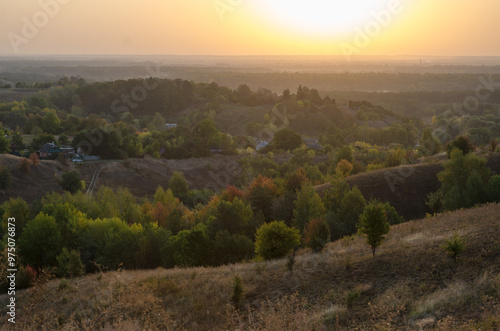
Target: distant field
(410, 285)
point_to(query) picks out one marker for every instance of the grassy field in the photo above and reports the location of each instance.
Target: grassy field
(411, 284)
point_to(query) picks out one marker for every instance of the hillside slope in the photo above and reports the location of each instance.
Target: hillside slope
(411, 284)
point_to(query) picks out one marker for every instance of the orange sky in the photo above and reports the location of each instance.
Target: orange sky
(250, 27)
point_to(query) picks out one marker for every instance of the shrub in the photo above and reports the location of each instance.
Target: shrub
(316, 234)
(275, 240)
(238, 292)
(69, 264)
(25, 166)
(454, 246)
(373, 224)
(71, 182)
(25, 277)
(351, 298)
(231, 248)
(5, 178)
(34, 159)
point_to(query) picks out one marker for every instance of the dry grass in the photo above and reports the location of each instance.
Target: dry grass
(411, 284)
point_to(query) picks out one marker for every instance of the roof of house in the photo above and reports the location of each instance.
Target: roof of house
(50, 148)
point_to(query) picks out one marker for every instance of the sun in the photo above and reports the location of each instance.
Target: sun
(320, 17)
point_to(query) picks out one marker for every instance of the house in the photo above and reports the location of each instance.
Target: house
(312, 144)
(68, 151)
(170, 125)
(261, 145)
(49, 151)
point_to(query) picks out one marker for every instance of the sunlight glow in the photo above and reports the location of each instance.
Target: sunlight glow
(319, 16)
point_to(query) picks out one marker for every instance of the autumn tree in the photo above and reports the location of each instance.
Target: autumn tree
(261, 194)
(344, 168)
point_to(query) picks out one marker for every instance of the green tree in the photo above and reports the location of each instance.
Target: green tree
(308, 206)
(5, 177)
(40, 242)
(373, 225)
(179, 185)
(4, 144)
(191, 248)
(429, 144)
(345, 153)
(463, 172)
(51, 122)
(454, 246)
(261, 194)
(275, 240)
(462, 143)
(69, 264)
(286, 139)
(71, 182)
(231, 248)
(17, 140)
(352, 205)
(15, 208)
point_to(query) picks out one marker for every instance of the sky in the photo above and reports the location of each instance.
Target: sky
(251, 27)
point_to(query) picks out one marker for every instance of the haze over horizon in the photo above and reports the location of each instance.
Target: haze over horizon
(228, 28)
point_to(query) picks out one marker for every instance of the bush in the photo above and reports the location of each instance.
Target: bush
(25, 166)
(316, 234)
(454, 246)
(69, 264)
(25, 277)
(231, 248)
(34, 159)
(5, 178)
(71, 182)
(238, 292)
(275, 240)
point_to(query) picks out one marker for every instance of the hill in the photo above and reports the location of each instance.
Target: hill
(411, 284)
(405, 187)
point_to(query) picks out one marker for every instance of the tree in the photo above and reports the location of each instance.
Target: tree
(5, 177)
(429, 144)
(316, 234)
(373, 225)
(463, 180)
(454, 246)
(71, 182)
(307, 206)
(462, 143)
(275, 240)
(15, 208)
(344, 168)
(179, 185)
(4, 144)
(69, 264)
(352, 205)
(191, 248)
(51, 123)
(345, 153)
(286, 139)
(261, 194)
(40, 242)
(17, 141)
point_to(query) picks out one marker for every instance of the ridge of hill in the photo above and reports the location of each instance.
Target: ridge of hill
(410, 284)
(404, 187)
